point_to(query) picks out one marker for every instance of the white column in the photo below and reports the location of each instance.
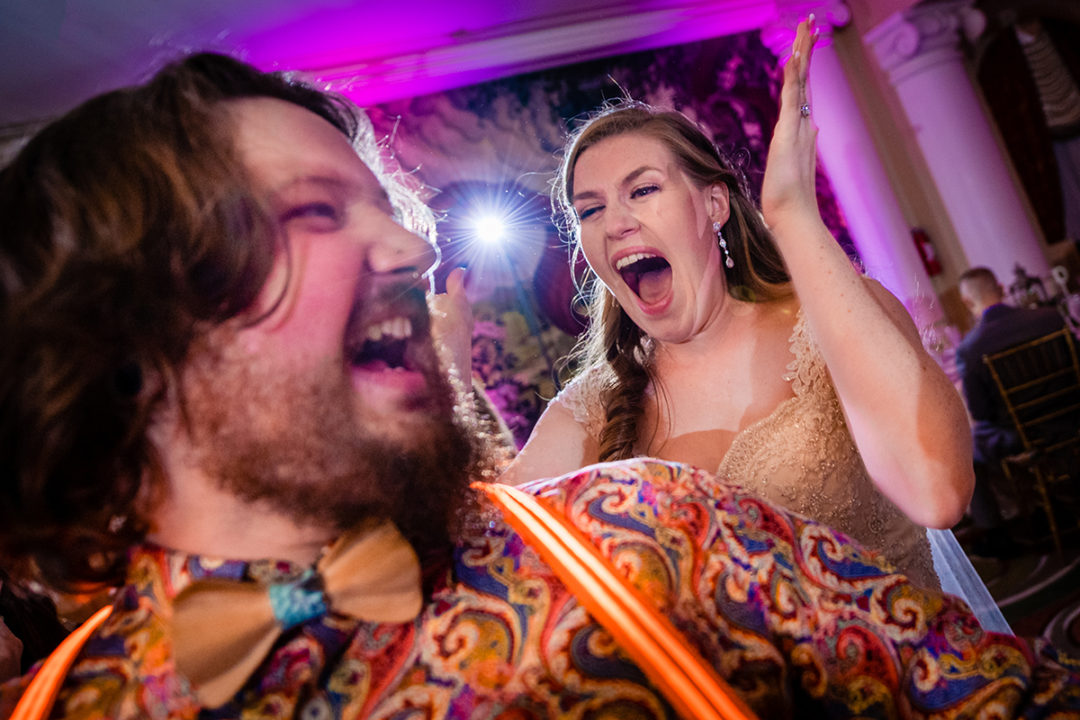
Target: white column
(919, 49)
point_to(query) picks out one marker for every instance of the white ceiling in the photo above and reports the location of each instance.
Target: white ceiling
(55, 53)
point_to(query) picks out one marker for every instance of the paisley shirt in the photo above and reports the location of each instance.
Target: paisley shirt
(800, 621)
(801, 456)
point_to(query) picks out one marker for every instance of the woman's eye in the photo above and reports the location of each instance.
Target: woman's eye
(644, 190)
(582, 215)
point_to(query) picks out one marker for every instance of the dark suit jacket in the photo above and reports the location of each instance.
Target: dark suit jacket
(1000, 327)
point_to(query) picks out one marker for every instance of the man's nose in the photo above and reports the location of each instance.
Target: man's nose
(400, 250)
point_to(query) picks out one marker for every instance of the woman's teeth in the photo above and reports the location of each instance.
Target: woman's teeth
(624, 262)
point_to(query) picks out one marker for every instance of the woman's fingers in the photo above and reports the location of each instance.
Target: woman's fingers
(452, 323)
(810, 36)
(455, 282)
(793, 95)
(788, 190)
(453, 305)
(795, 104)
(805, 37)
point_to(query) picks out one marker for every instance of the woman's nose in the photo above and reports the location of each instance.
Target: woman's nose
(619, 221)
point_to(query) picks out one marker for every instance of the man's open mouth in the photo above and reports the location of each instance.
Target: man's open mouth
(647, 274)
(385, 345)
(388, 331)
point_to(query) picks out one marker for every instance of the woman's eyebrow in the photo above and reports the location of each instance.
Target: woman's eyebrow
(630, 177)
(635, 174)
(586, 195)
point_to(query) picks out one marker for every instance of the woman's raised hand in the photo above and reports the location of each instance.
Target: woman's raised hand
(788, 197)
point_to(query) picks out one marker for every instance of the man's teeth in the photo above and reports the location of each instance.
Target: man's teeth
(397, 328)
(631, 259)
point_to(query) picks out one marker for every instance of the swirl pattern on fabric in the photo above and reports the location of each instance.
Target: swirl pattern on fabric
(797, 618)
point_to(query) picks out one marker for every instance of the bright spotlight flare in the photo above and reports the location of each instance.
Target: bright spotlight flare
(489, 229)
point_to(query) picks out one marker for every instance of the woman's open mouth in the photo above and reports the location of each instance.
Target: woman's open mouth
(647, 274)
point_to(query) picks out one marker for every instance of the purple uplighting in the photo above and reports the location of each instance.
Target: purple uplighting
(366, 53)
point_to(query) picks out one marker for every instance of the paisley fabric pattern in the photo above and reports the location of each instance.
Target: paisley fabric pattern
(798, 619)
(802, 457)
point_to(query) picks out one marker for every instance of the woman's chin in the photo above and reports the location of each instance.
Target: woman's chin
(655, 307)
(666, 321)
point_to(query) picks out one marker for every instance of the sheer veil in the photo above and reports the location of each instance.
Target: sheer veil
(958, 577)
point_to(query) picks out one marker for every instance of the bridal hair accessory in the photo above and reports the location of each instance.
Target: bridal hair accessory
(804, 110)
(723, 245)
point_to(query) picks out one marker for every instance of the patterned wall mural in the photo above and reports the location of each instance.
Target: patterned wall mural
(494, 147)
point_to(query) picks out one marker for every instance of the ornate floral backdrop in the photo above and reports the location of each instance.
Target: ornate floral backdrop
(497, 144)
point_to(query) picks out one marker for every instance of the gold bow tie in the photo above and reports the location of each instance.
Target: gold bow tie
(223, 629)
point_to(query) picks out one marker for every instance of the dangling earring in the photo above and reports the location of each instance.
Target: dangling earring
(723, 245)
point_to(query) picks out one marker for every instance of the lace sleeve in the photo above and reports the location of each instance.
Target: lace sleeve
(807, 370)
(582, 398)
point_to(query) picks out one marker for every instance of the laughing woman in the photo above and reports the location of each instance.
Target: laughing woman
(746, 342)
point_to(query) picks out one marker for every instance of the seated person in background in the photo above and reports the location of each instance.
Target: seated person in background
(745, 342)
(218, 382)
(998, 326)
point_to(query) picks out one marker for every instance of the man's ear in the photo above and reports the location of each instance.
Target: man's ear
(965, 298)
(719, 203)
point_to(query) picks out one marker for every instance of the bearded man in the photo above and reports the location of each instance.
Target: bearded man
(220, 393)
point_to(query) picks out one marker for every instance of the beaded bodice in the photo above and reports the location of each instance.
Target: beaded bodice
(802, 456)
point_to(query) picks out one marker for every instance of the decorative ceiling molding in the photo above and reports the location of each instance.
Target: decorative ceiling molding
(924, 36)
(560, 40)
(373, 52)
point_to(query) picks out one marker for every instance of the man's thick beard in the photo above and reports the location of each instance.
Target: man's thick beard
(303, 450)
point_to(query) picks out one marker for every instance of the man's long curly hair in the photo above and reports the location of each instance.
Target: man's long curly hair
(613, 344)
(128, 228)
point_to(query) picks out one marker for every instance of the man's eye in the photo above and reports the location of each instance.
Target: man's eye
(644, 190)
(314, 211)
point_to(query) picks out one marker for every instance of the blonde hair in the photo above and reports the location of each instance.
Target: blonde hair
(613, 342)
